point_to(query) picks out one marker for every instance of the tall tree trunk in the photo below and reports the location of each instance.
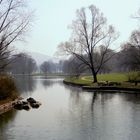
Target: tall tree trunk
(94, 76)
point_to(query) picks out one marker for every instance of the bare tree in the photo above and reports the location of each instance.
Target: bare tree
(49, 67)
(129, 56)
(23, 64)
(45, 67)
(74, 67)
(90, 34)
(15, 19)
(135, 41)
(126, 57)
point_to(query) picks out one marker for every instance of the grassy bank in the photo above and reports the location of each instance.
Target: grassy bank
(114, 77)
(8, 90)
(122, 78)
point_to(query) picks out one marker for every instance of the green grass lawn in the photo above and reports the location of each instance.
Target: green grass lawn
(79, 80)
(113, 77)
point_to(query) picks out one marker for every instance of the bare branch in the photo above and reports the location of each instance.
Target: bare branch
(14, 22)
(90, 32)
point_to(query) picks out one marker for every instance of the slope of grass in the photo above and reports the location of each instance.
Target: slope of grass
(114, 77)
(78, 80)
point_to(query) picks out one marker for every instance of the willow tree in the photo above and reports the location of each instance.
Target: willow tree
(15, 19)
(90, 36)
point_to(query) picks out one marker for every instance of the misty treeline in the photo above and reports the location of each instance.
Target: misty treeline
(50, 67)
(89, 47)
(23, 63)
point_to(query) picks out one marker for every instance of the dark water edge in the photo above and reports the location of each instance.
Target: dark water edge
(68, 113)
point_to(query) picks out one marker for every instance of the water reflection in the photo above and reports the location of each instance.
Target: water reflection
(135, 98)
(94, 97)
(106, 115)
(68, 113)
(6, 118)
(49, 81)
(26, 84)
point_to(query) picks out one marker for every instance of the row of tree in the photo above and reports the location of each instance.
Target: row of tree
(23, 63)
(50, 67)
(127, 59)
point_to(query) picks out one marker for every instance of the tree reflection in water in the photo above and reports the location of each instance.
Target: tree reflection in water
(134, 98)
(25, 84)
(5, 118)
(93, 97)
(93, 100)
(49, 81)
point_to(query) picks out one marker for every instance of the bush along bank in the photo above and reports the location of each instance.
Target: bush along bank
(8, 93)
(8, 90)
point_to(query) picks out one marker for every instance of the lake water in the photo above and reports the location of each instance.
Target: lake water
(68, 113)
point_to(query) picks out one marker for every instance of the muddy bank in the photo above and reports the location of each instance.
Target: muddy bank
(8, 106)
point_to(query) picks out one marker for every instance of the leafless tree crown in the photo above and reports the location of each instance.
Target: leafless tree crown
(15, 19)
(90, 34)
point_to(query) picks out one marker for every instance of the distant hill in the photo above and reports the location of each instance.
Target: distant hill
(40, 58)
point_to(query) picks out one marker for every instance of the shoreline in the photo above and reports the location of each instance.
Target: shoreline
(5, 107)
(89, 88)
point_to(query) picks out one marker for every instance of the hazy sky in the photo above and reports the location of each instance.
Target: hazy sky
(52, 18)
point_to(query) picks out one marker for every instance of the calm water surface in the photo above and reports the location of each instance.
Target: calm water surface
(68, 113)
